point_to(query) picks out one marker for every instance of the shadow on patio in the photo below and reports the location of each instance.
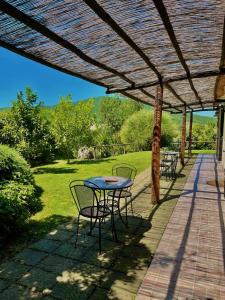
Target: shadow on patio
(53, 268)
(190, 259)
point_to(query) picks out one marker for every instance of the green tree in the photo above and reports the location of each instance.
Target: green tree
(71, 125)
(24, 129)
(202, 133)
(114, 111)
(137, 130)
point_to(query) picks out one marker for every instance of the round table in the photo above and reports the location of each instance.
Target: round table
(109, 183)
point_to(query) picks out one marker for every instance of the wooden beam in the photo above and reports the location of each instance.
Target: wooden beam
(98, 9)
(181, 106)
(169, 28)
(183, 137)
(171, 89)
(46, 63)
(190, 134)
(213, 73)
(222, 59)
(38, 27)
(194, 110)
(153, 97)
(156, 145)
(220, 80)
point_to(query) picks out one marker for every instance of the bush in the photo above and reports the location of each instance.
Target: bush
(13, 166)
(137, 130)
(18, 202)
(18, 195)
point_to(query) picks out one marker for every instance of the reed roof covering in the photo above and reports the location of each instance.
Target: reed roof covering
(126, 46)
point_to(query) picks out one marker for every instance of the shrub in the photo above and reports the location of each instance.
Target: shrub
(18, 202)
(18, 196)
(13, 166)
(137, 130)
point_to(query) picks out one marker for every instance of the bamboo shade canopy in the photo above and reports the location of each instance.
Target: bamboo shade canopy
(126, 46)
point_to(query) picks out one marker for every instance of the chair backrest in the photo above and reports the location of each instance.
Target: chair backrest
(124, 170)
(84, 195)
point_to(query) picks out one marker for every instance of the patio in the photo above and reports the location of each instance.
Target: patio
(167, 54)
(189, 262)
(54, 269)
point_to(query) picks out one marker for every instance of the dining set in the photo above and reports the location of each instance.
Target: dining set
(168, 164)
(99, 198)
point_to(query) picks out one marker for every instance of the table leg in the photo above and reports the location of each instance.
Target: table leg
(114, 233)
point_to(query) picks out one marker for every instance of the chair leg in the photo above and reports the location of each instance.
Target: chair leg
(78, 220)
(126, 211)
(100, 235)
(91, 227)
(131, 206)
(121, 218)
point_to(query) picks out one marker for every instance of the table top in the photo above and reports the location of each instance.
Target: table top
(170, 152)
(109, 182)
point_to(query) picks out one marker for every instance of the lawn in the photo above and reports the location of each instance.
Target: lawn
(53, 179)
(203, 151)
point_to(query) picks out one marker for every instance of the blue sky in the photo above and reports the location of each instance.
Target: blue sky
(17, 72)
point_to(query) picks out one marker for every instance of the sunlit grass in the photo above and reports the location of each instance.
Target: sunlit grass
(54, 179)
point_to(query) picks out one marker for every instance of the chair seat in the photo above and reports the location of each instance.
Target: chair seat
(95, 212)
(120, 194)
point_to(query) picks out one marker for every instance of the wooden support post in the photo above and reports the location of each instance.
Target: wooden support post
(183, 137)
(156, 145)
(190, 134)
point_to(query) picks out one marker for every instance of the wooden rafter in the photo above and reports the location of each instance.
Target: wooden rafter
(206, 102)
(169, 80)
(35, 25)
(116, 28)
(196, 110)
(169, 28)
(44, 62)
(152, 97)
(222, 59)
(149, 96)
(220, 81)
(171, 89)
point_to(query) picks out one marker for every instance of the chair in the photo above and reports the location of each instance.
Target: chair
(168, 165)
(126, 171)
(86, 199)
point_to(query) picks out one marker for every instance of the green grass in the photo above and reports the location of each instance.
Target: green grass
(53, 179)
(203, 151)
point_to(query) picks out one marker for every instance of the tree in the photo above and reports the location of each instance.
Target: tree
(114, 111)
(71, 125)
(137, 130)
(202, 133)
(25, 130)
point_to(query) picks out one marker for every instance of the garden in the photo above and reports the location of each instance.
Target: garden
(43, 149)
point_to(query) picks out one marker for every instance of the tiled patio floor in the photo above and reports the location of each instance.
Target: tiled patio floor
(53, 269)
(189, 262)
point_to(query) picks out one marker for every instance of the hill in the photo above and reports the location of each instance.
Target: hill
(46, 112)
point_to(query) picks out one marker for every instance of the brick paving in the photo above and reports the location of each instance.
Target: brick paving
(189, 262)
(52, 268)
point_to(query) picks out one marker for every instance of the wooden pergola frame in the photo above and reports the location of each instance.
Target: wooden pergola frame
(33, 30)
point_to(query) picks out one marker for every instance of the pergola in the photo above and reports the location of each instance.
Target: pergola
(169, 54)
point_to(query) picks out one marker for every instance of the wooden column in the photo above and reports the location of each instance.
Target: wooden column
(190, 134)
(156, 145)
(183, 137)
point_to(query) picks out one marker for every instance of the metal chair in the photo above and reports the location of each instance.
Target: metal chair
(87, 202)
(168, 165)
(126, 171)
